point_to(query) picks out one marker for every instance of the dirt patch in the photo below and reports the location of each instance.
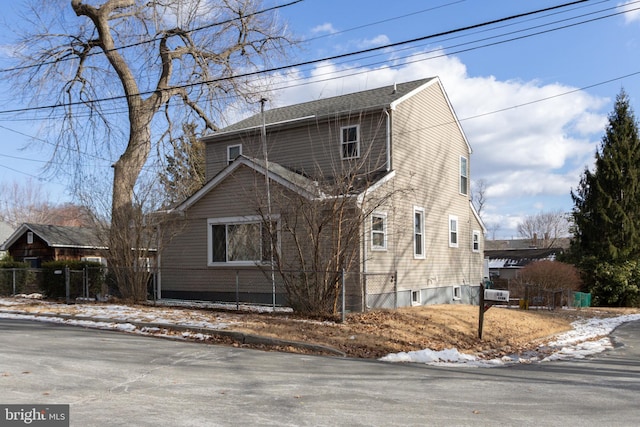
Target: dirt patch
(376, 333)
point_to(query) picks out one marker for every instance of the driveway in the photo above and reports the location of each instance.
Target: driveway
(116, 379)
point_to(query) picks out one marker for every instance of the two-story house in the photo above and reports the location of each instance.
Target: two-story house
(397, 154)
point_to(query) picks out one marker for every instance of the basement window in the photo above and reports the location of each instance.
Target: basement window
(416, 298)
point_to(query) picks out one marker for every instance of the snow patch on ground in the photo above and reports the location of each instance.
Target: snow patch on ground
(588, 337)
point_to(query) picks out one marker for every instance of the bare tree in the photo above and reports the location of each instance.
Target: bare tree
(25, 202)
(321, 226)
(544, 228)
(115, 66)
(479, 195)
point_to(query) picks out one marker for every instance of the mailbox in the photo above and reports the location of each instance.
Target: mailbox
(496, 295)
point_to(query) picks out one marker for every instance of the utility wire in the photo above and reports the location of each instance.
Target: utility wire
(153, 40)
(305, 63)
(420, 55)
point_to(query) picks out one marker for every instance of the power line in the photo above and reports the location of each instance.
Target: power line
(371, 24)
(421, 55)
(305, 63)
(152, 40)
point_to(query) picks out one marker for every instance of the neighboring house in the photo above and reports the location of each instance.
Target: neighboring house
(38, 243)
(505, 264)
(506, 244)
(406, 143)
(5, 231)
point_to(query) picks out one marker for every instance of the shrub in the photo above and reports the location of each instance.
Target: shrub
(616, 284)
(53, 283)
(10, 269)
(551, 276)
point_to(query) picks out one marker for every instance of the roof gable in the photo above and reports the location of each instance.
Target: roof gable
(277, 173)
(57, 236)
(383, 97)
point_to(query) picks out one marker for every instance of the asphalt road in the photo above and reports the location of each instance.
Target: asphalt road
(116, 379)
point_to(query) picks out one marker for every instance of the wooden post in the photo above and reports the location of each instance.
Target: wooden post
(481, 315)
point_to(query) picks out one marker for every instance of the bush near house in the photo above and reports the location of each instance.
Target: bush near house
(10, 269)
(546, 283)
(53, 284)
(613, 284)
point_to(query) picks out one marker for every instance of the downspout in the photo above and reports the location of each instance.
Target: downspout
(386, 111)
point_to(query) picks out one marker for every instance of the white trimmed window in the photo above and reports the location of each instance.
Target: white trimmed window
(379, 232)
(418, 232)
(475, 241)
(350, 142)
(29, 237)
(233, 152)
(457, 293)
(453, 231)
(464, 176)
(238, 240)
(416, 297)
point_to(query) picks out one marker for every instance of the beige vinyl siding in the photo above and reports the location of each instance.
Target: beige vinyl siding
(427, 145)
(311, 147)
(184, 259)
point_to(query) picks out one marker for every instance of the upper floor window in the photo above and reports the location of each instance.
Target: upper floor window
(234, 240)
(378, 231)
(233, 151)
(475, 242)
(29, 237)
(418, 233)
(350, 142)
(453, 231)
(464, 176)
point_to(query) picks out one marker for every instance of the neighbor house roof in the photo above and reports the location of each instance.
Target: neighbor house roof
(57, 236)
(383, 97)
(516, 258)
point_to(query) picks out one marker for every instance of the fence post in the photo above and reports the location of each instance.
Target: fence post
(343, 296)
(67, 284)
(237, 290)
(85, 277)
(395, 289)
(14, 281)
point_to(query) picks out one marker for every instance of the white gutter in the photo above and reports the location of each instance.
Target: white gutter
(386, 111)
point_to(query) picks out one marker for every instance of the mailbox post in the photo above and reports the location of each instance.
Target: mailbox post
(488, 297)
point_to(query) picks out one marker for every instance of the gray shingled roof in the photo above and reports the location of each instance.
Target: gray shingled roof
(65, 237)
(359, 101)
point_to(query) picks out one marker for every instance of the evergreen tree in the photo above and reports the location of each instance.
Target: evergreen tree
(607, 202)
(606, 211)
(185, 170)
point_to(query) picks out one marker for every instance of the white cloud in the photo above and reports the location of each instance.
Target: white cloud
(326, 28)
(379, 40)
(632, 11)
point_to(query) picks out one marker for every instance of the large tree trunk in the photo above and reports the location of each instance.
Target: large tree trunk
(124, 239)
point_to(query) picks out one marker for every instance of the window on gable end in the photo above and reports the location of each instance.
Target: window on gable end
(453, 231)
(464, 176)
(418, 233)
(378, 231)
(233, 152)
(350, 142)
(475, 242)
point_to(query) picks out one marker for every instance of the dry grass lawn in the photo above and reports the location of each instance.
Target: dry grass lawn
(380, 332)
(437, 327)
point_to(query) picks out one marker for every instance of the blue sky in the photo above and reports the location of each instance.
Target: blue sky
(533, 109)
